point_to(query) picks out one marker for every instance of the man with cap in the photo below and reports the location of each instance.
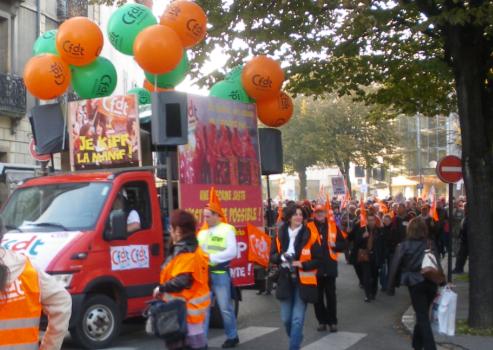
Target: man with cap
(218, 240)
(332, 242)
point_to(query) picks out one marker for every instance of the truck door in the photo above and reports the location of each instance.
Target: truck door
(138, 259)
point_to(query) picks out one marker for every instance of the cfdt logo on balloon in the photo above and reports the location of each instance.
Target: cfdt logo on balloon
(262, 82)
(133, 14)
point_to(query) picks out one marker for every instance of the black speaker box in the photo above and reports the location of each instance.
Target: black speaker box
(169, 119)
(271, 159)
(49, 128)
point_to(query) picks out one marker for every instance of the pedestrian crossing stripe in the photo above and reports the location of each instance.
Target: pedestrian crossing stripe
(245, 335)
(336, 341)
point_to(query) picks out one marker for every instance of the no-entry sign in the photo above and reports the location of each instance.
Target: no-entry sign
(449, 169)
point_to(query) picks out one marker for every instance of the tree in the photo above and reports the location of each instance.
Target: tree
(427, 56)
(334, 131)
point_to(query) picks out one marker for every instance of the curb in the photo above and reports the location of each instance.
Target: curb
(408, 320)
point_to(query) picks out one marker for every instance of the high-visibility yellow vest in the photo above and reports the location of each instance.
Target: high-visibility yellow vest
(20, 311)
(215, 240)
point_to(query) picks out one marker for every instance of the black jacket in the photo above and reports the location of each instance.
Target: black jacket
(285, 283)
(184, 280)
(377, 253)
(328, 266)
(399, 228)
(407, 261)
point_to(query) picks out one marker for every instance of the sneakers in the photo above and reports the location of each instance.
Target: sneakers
(333, 328)
(321, 328)
(231, 343)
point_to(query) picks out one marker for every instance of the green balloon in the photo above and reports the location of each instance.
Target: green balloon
(230, 90)
(46, 43)
(235, 73)
(97, 79)
(171, 79)
(143, 96)
(126, 23)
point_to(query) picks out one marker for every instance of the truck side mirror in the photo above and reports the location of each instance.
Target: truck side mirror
(118, 226)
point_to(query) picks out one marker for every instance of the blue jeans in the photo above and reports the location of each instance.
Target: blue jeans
(293, 316)
(221, 288)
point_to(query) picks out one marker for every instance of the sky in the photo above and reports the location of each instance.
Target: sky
(129, 72)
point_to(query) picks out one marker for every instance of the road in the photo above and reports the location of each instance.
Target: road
(362, 326)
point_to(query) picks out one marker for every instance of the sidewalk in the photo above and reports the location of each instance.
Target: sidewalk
(468, 342)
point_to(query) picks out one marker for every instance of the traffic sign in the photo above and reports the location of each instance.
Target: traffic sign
(36, 155)
(449, 169)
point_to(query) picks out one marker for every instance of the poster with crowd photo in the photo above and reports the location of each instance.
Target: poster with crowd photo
(104, 133)
(223, 152)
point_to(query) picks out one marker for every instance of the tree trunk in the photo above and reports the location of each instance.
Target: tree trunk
(470, 55)
(302, 175)
(344, 169)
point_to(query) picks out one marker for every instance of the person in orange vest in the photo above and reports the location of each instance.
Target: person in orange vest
(332, 242)
(185, 276)
(25, 291)
(298, 253)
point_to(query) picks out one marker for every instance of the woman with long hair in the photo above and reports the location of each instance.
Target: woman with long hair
(297, 252)
(407, 260)
(25, 291)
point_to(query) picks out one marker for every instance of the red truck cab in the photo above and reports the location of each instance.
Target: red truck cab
(62, 222)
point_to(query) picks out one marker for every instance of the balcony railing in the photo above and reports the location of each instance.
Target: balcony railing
(12, 95)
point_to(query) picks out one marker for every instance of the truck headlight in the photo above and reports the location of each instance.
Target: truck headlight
(64, 279)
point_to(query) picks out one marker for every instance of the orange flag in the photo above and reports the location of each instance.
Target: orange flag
(362, 215)
(347, 196)
(258, 246)
(383, 207)
(433, 206)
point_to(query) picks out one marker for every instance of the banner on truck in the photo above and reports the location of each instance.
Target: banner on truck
(222, 151)
(104, 133)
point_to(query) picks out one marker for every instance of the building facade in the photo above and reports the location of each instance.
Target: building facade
(21, 22)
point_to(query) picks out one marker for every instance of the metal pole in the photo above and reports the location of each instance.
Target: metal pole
(450, 220)
(269, 205)
(169, 182)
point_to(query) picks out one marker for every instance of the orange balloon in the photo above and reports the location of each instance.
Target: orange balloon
(79, 41)
(46, 76)
(277, 111)
(188, 20)
(151, 88)
(262, 78)
(158, 49)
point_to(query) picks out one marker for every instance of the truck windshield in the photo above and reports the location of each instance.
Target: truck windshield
(58, 207)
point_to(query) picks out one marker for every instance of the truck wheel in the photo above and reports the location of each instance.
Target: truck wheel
(98, 323)
(216, 320)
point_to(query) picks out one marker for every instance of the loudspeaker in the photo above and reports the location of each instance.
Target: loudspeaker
(270, 142)
(49, 128)
(169, 119)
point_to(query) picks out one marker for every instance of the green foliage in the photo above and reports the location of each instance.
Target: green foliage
(341, 46)
(462, 328)
(335, 131)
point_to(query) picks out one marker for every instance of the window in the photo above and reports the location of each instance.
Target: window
(4, 43)
(136, 197)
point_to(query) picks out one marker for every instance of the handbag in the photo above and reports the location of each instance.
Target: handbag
(364, 254)
(430, 269)
(168, 320)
